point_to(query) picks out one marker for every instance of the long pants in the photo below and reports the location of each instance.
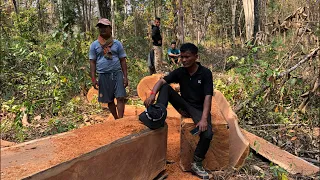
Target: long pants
(167, 94)
(157, 57)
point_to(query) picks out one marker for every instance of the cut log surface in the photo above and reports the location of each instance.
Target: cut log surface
(284, 159)
(92, 96)
(146, 84)
(239, 145)
(217, 157)
(110, 150)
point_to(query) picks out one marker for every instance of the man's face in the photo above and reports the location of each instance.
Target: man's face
(173, 46)
(157, 22)
(105, 31)
(188, 58)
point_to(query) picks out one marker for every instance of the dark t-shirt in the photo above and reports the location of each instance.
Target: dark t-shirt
(156, 36)
(193, 88)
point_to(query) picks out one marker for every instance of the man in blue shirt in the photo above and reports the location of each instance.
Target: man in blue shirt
(108, 59)
(174, 53)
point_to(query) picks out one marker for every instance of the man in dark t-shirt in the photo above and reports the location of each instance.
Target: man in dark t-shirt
(196, 87)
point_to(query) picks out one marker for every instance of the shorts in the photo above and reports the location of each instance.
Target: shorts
(111, 86)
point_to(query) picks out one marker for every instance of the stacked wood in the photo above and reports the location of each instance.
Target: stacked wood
(119, 149)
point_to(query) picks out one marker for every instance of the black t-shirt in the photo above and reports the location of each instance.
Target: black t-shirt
(156, 35)
(193, 88)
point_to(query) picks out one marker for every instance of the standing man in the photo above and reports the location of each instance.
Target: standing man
(157, 43)
(196, 87)
(108, 59)
(174, 53)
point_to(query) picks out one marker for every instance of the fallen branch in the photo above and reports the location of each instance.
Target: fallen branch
(264, 87)
(277, 125)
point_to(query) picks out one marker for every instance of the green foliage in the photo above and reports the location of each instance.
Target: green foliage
(278, 172)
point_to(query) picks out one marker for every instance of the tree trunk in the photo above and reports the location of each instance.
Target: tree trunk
(86, 15)
(248, 7)
(84, 24)
(181, 28)
(16, 8)
(233, 19)
(256, 27)
(80, 16)
(104, 8)
(112, 18)
(40, 16)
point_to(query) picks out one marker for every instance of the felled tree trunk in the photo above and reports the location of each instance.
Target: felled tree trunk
(112, 150)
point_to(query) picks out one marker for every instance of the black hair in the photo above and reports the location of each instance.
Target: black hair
(157, 18)
(189, 47)
(173, 42)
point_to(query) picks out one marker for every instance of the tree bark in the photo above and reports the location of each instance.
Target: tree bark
(233, 19)
(16, 8)
(40, 16)
(112, 18)
(104, 8)
(181, 22)
(248, 7)
(256, 18)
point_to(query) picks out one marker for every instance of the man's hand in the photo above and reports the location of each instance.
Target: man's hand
(150, 100)
(203, 125)
(125, 82)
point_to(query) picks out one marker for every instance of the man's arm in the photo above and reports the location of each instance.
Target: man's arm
(152, 97)
(123, 63)
(203, 123)
(93, 73)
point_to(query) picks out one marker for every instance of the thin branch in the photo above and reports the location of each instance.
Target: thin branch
(277, 125)
(264, 87)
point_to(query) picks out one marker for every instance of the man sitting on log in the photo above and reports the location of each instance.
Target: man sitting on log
(196, 87)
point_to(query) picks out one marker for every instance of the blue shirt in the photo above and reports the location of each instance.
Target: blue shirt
(173, 51)
(104, 64)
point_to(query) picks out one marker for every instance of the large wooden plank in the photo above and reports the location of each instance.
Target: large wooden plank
(114, 150)
(284, 159)
(217, 157)
(239, 145)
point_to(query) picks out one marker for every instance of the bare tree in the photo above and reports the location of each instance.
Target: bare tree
(248, 7)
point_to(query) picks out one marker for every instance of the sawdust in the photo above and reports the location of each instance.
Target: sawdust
(174, 171)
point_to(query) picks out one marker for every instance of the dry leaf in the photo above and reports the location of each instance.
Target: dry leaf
(293, 138)
(37, 118)
(25, 120)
